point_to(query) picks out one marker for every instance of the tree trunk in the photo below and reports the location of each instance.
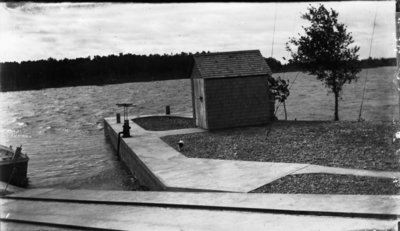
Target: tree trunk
(336, 106)
(284, 107)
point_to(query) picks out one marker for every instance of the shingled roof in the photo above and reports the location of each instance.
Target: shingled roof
(231, 64)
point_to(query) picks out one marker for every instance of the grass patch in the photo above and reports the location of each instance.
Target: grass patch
(365, 145)
(164, 123)
(319, 183)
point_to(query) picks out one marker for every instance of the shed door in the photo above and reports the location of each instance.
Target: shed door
(200, 103)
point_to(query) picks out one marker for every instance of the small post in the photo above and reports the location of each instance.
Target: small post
(118, 118)
(167, 110)
(180, 145)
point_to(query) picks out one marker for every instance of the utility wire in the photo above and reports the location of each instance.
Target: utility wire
(284, 73)
(272, 53)
(366, 71)
(273, 35)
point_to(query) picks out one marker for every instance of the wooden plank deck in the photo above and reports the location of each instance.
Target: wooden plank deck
(117, 210)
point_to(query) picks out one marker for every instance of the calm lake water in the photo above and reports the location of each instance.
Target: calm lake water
(62, 130)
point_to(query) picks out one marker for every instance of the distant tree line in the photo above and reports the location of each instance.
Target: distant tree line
(111, 69)
(277, 66)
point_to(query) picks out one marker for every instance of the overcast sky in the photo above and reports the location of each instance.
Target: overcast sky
(30, 31)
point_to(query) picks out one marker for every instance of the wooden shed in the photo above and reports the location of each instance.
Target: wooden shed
(230, 89)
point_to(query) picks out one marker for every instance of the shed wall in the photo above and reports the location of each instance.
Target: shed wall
(199, 100)
(238, 101)
(199, 109)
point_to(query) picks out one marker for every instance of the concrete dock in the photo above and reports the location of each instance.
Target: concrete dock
(161, 167)
(56, 209)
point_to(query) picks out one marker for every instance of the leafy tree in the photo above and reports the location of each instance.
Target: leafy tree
(275, 65)
(324, 51)
(279, 89)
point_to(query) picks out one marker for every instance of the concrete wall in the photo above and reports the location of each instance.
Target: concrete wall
(132, 161)
(235, 102)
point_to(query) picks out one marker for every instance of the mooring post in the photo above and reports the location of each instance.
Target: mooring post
(167, 110)
(125, 126)
(118, 118)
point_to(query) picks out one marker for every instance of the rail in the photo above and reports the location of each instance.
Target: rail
(210, 207)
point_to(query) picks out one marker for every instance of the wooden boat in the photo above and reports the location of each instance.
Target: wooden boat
(13, 166)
